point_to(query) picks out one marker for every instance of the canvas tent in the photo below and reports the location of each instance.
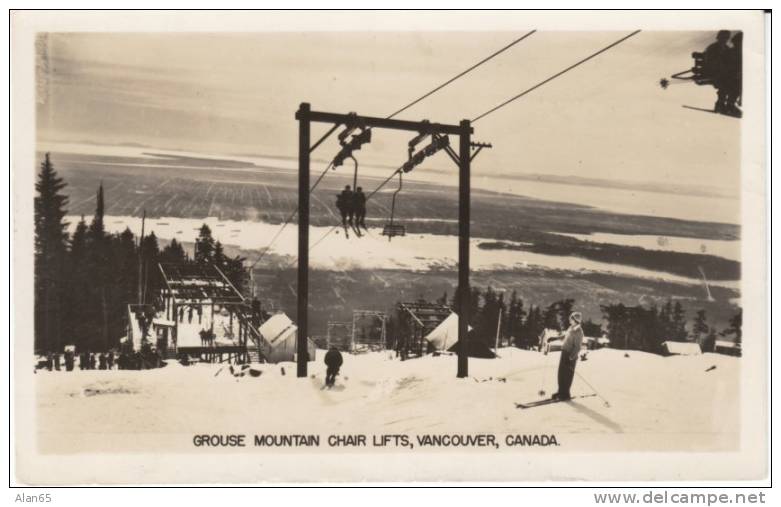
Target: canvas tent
(681, 348)
(445, 334)
(445, 337)
(280, 333)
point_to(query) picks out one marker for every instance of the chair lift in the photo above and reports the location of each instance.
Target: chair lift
(390, 228)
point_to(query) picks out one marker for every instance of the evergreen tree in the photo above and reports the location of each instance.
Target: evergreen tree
(590, 328)
(51, 239)
(633, 327)
(173, 253)
(666, 320)
(487, 318)
(678, 323)
(532, 328)
(78, 281)
(78, 246)
(97, 227)
(617, 330)
(235, 272)
(218, 256)
(125, 255)
(204, 246)
(709, 342)
(700, 326)
(97, 300)
(557, 314)
(513, 324)
(735, 325)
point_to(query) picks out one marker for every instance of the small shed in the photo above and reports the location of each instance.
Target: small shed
(672, 348)
(280, 333)
(551, 340)
(727, 347)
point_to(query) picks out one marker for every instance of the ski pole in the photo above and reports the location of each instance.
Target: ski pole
(607, 403)
(546, 369)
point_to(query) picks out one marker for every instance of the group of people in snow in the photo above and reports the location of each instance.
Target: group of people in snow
(721, 63)
(570, 351)
(86, 361)
(352, 207)
(146, 358)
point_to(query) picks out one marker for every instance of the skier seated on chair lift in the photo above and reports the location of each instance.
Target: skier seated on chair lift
(719, 65)
(359, 208)
(344, 203)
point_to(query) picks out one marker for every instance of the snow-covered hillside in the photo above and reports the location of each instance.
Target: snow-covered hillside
(656, 403)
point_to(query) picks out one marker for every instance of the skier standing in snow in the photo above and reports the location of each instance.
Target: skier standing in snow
(359, 208)
(344, 203)
(570, 348)
(69, 360)
(333, 360)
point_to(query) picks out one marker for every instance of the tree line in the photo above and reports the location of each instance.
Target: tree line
(84, 281)
(627, 327)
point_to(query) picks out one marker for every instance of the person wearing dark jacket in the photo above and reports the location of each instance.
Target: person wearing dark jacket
(359, 208)
(570, 348)
(716, 66)
(69, 360)
(344, 203)
(333, 360)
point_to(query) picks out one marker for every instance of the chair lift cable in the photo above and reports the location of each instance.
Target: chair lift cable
(529, 90)
(449, 81)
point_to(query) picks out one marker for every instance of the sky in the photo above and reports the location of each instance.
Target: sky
(237, 94)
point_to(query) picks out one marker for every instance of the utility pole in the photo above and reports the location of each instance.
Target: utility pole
(498, 332)
(465, 157)
(303, 240)
(364, 124)
(141, 261)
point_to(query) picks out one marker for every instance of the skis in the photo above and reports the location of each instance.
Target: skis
(711, 111)
(548, 401)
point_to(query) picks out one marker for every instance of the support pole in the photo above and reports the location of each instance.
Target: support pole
(303, 238)
(464, 153)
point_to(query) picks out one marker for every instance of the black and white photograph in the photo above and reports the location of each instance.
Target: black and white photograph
(377, 246)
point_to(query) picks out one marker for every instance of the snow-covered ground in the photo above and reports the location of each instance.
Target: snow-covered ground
(334, 251)
(656, 403)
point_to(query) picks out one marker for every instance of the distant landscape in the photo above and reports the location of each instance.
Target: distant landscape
(193, 187)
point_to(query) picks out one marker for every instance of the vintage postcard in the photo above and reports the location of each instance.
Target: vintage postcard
(262, 247)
